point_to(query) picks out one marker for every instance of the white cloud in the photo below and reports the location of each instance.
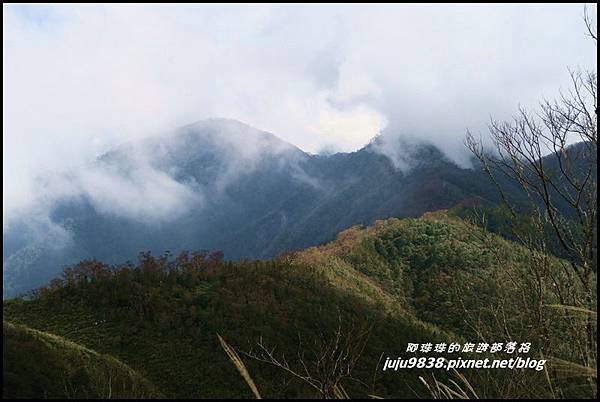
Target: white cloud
(80, 79)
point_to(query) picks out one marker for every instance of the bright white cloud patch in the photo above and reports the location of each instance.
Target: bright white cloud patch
(80, 79)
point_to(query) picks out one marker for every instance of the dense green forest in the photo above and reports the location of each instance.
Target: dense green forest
(433, 279)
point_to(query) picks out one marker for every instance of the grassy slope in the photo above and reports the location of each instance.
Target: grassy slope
(38, 364)
(185, 360)
(414, 280)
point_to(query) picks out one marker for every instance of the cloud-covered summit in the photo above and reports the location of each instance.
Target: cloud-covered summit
(81, 79)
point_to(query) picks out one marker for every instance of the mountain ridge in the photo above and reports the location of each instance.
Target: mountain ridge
(223, 185)
(420, 280)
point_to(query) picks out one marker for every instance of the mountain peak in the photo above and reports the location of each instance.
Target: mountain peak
(406, 153)
(237, 135)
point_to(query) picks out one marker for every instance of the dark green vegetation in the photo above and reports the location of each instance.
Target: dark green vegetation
(40, 365)
(570, 177)
(434, 279)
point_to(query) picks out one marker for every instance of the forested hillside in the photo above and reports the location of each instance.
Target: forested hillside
(377, 288)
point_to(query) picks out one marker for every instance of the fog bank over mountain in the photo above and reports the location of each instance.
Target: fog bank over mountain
(80, 80)
(252, 196)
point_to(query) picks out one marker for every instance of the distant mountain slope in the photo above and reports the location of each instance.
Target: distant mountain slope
(220, 184)
(41, 365)
(411, 280)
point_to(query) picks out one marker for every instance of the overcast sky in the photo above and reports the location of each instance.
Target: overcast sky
(78, 80)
